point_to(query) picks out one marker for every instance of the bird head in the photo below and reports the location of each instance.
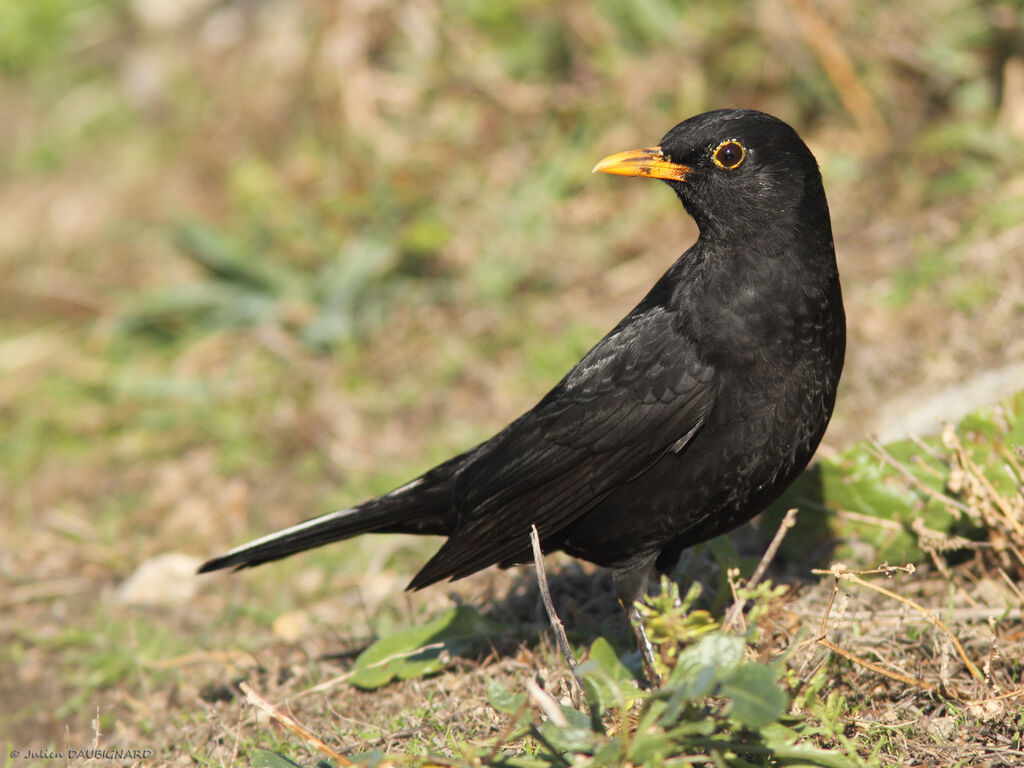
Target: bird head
(738, 172)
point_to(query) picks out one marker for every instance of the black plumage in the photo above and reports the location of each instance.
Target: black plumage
(690, 417)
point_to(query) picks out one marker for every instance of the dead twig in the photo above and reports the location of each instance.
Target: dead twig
(575, 689)
(736, 611)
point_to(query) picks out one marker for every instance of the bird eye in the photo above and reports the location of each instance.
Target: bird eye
(728, 155)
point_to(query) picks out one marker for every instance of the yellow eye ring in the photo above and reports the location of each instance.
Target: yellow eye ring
(729, 155)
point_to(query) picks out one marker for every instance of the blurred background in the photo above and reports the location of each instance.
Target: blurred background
(260, 259)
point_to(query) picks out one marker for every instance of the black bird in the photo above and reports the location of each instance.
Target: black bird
(687, 420)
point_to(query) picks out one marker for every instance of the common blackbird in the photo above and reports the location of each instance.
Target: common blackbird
(690, 417)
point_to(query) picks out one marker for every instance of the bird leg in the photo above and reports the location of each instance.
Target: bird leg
(630, 584)
(646, 648)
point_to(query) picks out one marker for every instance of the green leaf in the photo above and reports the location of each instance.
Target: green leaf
(576, 718)
(569, 738)
(807, 756)
(700, 664)
(170, 310)
(599, 694)
(263, 758)
(879, 503)
(504, 700)
(607, 682)
(756, 698)
(647, 747)
(703, 727)
(607, 660)
(718, 650)
(609, 754)
(422, 650)
(231, 261)
(652, 715)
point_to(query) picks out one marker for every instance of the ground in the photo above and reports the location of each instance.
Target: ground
(263, 260)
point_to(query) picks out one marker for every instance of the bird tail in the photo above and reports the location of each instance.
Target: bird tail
(423, 506)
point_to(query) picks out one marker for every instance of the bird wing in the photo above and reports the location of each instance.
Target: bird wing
(641, 392)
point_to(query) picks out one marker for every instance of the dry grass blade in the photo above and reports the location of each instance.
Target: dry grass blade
(506, 733)
(879, 450)
(836, 62)
(1011, 519)
(291, 724)
(897, 676)
(855, 576)
(973, 489)
(45, 590)
(545, 703)
(233, 656)
(927, 614)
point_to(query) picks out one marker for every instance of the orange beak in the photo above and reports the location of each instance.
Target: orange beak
(650, 162)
